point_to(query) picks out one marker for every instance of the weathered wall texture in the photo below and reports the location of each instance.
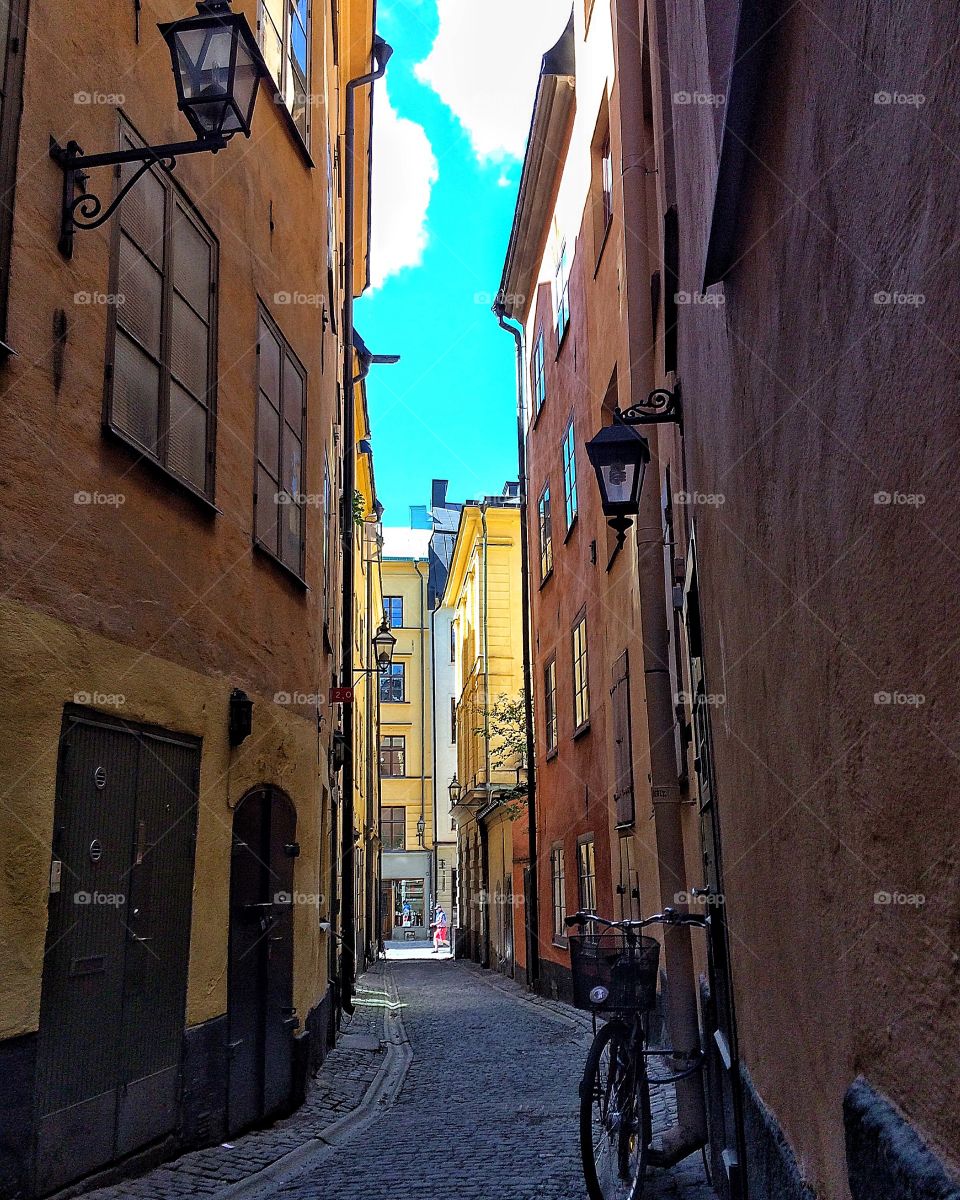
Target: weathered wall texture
(819, 387)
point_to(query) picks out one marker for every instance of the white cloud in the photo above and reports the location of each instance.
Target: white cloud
(485, 64)
(404, 172)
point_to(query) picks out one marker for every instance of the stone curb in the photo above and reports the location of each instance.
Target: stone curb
(382, 1092)
(549, 1008)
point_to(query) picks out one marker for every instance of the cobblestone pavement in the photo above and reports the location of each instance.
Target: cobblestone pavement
(483, 1105)
(341, 1084)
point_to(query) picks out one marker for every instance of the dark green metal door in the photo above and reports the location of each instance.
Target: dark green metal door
(115, 968)
(261, 1013)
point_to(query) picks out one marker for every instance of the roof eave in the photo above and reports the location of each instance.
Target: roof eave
(550, 127)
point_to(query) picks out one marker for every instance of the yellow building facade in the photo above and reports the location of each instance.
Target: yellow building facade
(407, 825)
(368, 616)
(483, 594)
(169, 621)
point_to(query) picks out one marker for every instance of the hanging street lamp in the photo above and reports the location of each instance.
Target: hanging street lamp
(217, 68)
(384, 644)
(619, 456)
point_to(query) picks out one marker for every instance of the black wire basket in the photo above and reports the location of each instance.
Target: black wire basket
(625, 969)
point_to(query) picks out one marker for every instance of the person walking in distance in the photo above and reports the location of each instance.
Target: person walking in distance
(439, 929)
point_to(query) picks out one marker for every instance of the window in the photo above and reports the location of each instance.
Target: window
(393, 611)
(546, 535)
(559, 891)
(453, 642)
(539, 375)
(606, 183)
(393, 684)
(393, 752)
(550, 703)
(393, 827)
(562, 293)
(161, 367)
(12, 43)
(453, 720)
(284, 27)
(279, 493)
(587, 874)
(569, 455)
(623, 801)
(581, 689)
(601, 181)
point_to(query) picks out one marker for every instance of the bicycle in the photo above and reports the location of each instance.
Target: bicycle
(615, 972)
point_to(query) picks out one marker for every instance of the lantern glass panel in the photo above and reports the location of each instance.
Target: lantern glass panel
(619, 482)
(245, 80)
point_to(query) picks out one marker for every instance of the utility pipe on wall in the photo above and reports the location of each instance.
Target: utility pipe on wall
(381, 55)
(533, 906)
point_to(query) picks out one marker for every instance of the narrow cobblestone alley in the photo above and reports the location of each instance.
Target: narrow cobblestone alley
(460, 1083)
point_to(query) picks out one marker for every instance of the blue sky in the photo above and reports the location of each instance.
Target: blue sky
(447, 410)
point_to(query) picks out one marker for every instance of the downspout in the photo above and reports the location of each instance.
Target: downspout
(433, 747)
(372, 749)
(423, 704)
(690, 1133)
(484, 852)
(533, 907)
(381, 53)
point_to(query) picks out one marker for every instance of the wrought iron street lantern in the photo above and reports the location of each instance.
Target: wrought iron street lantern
(619, 456)
(421, 830)
(384, 644)
(217, 67)
(455, 791)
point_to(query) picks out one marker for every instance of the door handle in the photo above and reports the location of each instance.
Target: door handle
(135, 937)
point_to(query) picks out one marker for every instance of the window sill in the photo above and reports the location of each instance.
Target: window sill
(571, 527)
(561, 942)
(603, 245)
(546, 579)
(146, 459)
(551, 754)
(563, 340)
(581, 730)
(287, 118)
(268, 554)
(536, 416)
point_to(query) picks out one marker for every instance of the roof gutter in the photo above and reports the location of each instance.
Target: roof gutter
(550, 127)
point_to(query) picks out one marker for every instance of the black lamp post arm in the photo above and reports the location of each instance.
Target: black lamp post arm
(83, 209)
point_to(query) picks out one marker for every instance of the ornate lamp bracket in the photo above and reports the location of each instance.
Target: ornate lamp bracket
(660, 407)
(81, 209)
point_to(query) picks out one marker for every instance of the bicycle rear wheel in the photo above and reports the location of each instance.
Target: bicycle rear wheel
(614, 1117)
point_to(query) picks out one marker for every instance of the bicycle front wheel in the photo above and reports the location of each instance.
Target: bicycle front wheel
(614, 1117)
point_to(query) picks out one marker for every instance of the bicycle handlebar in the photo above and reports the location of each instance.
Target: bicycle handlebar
(669, 916)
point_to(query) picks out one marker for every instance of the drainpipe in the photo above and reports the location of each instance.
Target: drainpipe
(533, 907)
(381, 54)
(372, 748)
(423, 703)
(481, 828)
(433, 749)
(690, 1133)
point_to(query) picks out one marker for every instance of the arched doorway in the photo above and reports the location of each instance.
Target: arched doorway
(262, 1018)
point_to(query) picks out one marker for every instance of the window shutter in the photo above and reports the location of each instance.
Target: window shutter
(163, 371)
(623, 797)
